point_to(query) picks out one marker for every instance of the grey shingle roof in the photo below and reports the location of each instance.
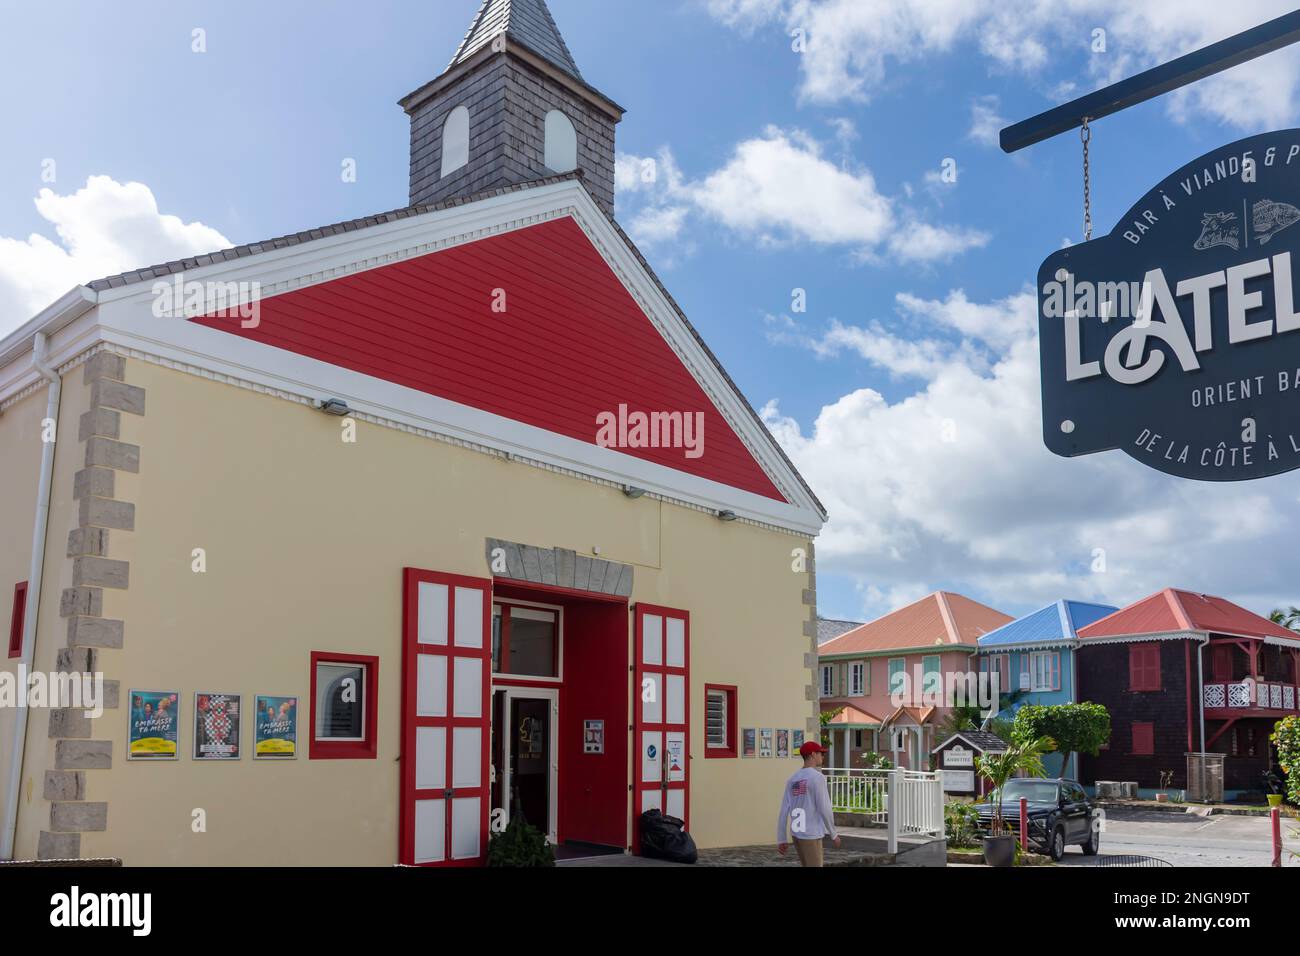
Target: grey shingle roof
(985, 741)
(283, 242)
(525, 21)
(829, 629)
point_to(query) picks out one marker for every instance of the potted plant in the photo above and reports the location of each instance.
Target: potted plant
(1022, 757)
(520, 844)
(1166, 778)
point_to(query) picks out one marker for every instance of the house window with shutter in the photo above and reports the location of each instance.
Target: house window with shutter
(828, 680)
(857, 679)
(1045, 670)
(999, 665)
(931, 677)
(897, 676)
(720, 720)
(1144, 666)
(1144, 738)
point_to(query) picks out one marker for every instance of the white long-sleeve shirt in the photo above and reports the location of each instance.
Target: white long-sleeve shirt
(807, 799)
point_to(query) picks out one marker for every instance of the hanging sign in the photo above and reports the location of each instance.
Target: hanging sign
(1176, 338)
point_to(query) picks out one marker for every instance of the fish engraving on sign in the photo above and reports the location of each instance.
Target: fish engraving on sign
(1218, 229)
(1270, 218)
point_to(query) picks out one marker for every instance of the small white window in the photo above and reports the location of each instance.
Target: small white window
(828, 677)
(561, 153)
(455, 141)
(857, 680)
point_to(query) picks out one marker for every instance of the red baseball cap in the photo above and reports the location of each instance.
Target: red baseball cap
(811, 747)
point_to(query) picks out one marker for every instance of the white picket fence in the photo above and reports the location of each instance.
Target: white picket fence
(905, 802)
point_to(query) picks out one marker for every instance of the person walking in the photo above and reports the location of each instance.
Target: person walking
(806, 809)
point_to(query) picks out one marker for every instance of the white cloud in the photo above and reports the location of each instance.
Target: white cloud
(852, 45)
(985, 122)
(104, 228)
(952, 484)
(782, 187)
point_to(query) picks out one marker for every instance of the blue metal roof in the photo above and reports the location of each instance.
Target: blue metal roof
(1056, 622)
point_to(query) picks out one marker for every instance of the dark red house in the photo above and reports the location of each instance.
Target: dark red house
(1166, 663)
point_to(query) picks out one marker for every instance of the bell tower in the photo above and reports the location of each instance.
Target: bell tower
(511, 107)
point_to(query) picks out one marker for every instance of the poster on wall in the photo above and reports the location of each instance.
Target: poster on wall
(783, 742)
(216, 726)
(749, 742)
(796, 741)
(154, 720)
(765, 742)
(675, 756)
(275, 729)
(593, 736)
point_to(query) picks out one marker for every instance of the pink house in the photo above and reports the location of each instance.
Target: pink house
(879, 680)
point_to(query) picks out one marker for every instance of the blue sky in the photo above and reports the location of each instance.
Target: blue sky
(906, 392)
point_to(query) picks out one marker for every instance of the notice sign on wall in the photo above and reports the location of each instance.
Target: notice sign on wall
(958, 756)
(593, 736)
(1176, 338)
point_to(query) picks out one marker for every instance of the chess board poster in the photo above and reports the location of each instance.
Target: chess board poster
(216, 726)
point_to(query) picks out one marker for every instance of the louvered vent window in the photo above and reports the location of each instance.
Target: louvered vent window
(717, 720)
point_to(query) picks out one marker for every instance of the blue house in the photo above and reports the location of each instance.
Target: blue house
(1034, 655)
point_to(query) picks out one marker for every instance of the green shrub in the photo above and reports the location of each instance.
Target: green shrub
(1286, 737)
(520, 844)
(961, 824)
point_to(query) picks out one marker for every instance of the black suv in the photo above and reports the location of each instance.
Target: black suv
(1060, 814)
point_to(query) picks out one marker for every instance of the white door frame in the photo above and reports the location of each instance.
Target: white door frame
(551, 694)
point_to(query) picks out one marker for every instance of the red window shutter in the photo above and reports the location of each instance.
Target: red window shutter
(1223, 663)
(1144, 666)
(17, 620)
(1144, 738)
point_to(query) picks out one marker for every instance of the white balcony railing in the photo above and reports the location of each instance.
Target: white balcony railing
(906, 802)
(1246, 694)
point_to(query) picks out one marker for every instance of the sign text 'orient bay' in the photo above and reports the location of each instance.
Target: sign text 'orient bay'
(1177, 337)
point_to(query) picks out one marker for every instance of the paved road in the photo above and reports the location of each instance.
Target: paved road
(1186, 839)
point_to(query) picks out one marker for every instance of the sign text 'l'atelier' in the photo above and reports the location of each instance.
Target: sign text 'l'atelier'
(1177, 337)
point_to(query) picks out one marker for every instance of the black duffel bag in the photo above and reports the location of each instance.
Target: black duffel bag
(665, 838)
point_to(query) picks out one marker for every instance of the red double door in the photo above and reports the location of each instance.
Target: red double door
(446, 717)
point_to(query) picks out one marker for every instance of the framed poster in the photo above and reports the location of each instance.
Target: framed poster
(765, 742)
(593, 736)
(796, 741)
(782, 742)
(154, 720)
(275, 728)
(216, 726)
(749, 742)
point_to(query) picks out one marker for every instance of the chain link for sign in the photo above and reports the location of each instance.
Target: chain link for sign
(1085, 134)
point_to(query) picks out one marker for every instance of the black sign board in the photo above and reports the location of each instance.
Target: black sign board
(1176, 338)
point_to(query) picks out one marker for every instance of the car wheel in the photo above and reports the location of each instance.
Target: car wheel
(1058, 843)
(1093, 843)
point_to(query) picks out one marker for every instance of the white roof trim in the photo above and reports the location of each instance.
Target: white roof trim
(123, 318)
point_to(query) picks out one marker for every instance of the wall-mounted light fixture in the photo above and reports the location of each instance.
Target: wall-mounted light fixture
(333, 406)
(726, 516)
(632, 491)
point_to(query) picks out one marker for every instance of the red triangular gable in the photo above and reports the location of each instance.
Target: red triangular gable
(571, 344)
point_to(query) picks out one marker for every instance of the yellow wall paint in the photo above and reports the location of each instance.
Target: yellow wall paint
(20, 469)
(305, 539)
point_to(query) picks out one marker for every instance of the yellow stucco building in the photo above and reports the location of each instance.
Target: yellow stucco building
(380, 533)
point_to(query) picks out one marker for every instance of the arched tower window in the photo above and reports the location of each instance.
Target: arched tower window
(455, 141)
(561, 154)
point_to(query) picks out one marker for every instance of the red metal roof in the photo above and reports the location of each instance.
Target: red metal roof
(1178, 610)
(843, 713)
(571, 344)
(941, 618)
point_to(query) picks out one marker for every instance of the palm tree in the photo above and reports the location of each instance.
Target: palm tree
(1290, 618)
(997, 768)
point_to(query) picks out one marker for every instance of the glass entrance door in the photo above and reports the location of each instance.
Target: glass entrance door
(524, 755)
